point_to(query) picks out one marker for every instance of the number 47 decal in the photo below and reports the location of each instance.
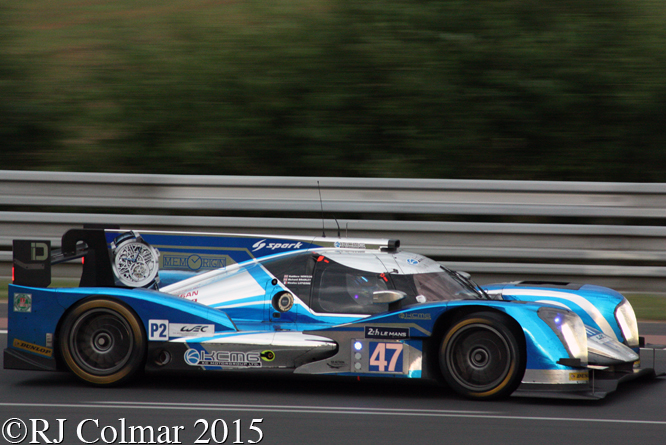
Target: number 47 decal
(386, 357)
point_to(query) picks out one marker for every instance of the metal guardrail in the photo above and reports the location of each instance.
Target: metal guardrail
(624, 256)
(363, 195)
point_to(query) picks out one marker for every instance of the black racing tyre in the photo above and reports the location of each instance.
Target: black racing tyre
(481, 357)
(103, 342)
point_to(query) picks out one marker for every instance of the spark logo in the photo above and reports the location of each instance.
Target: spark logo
(258, 245)
(272, 246)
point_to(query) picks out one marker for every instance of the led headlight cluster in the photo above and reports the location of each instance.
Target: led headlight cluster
(569, 328)
(626, 319)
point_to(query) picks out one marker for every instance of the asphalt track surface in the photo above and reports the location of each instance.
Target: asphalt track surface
(318, 410)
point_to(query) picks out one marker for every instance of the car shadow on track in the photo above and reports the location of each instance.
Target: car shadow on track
(284, 385)
(277, 384)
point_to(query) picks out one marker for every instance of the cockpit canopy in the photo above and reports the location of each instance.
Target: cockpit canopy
(344, 282)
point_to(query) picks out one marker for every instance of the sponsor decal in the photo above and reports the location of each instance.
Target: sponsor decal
(590, 332)
(22, 302)
(226, 359)
(381, 332)
(336, 364)
(273, 246)
(412, 261)
(268, 356)
(190, 294)
(415, 316)
(579, 376)
(347, 245)
(602, 338)
(162, 330)
(39, 251)
(192, 357)
(41, 350)
(297, 280)
(190, 330)
(192, 262)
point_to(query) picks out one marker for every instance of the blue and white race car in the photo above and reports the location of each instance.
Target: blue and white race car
(164, 301)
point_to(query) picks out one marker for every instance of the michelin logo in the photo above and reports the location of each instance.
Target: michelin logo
(272, 246)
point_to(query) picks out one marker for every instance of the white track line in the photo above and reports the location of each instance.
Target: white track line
(345, 410)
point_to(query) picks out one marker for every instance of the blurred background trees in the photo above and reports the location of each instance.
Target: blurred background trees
(28, 129)
(513, 89)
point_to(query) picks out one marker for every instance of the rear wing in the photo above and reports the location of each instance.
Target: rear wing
(125, 258)
(31, 262)
(32, 259)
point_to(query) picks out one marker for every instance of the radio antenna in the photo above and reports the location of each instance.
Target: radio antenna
(321, 203)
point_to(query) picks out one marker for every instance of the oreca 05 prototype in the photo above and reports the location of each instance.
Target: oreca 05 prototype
(207, 302)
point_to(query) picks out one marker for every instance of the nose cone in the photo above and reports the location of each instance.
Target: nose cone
(603, 350)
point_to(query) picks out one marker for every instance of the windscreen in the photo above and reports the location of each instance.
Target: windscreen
(437, 286)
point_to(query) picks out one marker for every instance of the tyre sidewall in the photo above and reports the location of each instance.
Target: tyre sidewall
(134, 363)
(494, 323)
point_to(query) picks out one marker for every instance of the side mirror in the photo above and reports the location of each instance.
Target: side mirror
(387, 296)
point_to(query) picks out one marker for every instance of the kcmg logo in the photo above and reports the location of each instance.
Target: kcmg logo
(192, 357)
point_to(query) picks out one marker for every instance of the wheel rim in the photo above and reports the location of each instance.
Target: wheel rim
(101, 341)
(478, 357)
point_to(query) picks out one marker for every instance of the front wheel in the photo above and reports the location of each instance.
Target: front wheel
(481, 357)
(103, 342)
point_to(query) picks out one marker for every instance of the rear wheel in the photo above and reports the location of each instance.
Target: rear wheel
(481, 357)
(103, 342)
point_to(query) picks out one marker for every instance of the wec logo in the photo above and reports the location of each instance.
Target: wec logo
(163, 330)
(272, 246)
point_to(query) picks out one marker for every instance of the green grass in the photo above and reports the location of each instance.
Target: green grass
(56, 282)
(648, 306)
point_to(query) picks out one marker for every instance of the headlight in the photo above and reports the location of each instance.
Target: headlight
(626, 319)
(569, 329)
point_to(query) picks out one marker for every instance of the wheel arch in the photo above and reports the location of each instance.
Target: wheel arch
(60, 361)
(447, 319)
